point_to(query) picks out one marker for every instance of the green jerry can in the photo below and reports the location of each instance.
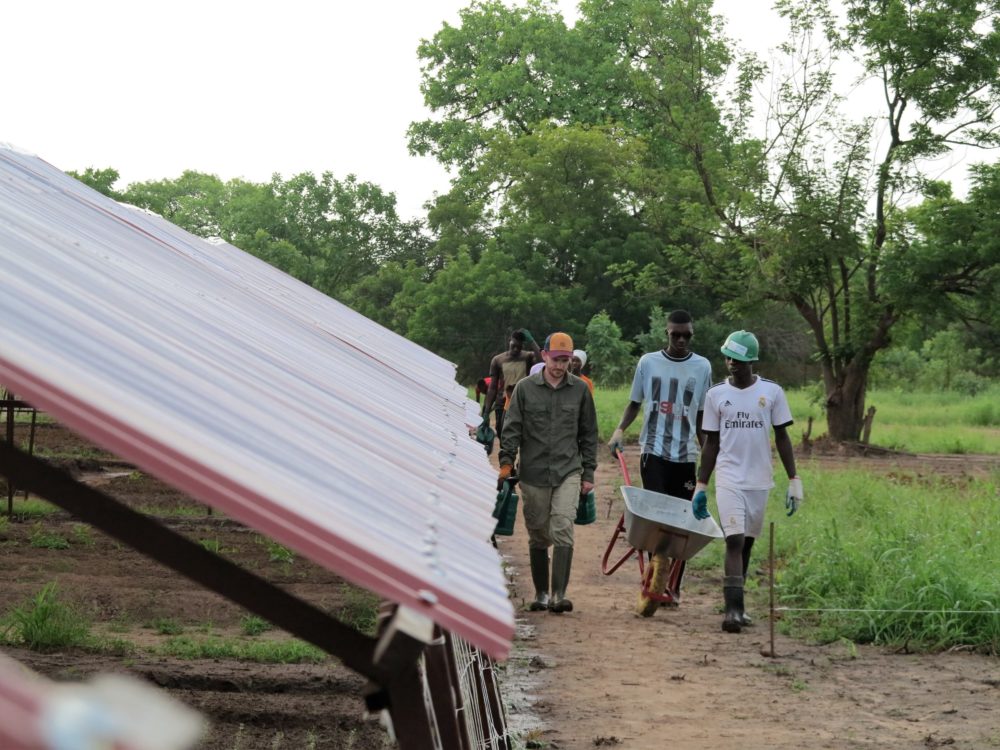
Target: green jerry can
(586, 509)
(505, 510)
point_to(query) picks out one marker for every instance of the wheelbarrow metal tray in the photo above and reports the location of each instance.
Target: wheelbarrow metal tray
(664, 524)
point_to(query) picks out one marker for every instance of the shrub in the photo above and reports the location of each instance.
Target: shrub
(46, 624)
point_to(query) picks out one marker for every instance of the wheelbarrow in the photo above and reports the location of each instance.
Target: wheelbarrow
(662, 532)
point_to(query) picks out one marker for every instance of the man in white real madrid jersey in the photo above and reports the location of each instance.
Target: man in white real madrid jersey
(669, 387)
(740, 412)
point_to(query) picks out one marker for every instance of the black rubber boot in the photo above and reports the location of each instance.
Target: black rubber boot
(540, 577)
(732, 590)
(562, 562)
(745, 619)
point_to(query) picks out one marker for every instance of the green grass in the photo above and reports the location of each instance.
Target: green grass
(915, 422)
(43, 539)
(359, 609)
(277, 552)
(213, 545)
(46, 624)
(918, 556)
(264, 652)
(32, 508)
(166, 626)
(254, 625)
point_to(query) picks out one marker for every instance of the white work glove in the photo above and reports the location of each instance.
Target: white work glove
(794, 496)
(617, 442)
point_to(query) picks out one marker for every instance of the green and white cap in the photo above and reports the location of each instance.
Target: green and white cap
(742, 346)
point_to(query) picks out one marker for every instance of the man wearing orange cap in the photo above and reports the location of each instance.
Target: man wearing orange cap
(551, 425)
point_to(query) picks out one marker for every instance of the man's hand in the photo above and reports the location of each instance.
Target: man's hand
(617, 441)
(586, 487)
(528, 338)
(794, 496)
(504, 475)
(700, 501)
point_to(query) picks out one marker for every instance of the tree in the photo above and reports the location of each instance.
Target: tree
(327, 232)
(794, 219)
(611, 359)
(101, 180)
(467, 311)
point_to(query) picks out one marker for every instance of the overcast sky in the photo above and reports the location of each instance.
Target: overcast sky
(239, 89)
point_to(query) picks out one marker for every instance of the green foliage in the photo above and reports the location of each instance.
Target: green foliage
(916, 555)
(358, 609)
(212, 545)
(101, 180)
(46, 624)
(263, 652)
(82, 535)
(498, 294)
(278, 553)
(43, 539)
(167, 626)
(327, 232)
(611, 359)
(253, 625)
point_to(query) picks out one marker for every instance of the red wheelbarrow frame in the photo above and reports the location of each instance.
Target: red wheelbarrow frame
(645, 570)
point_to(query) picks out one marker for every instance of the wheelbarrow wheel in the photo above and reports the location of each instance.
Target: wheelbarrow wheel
(654, 582)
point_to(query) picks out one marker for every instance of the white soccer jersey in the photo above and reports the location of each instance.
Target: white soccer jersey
(672, 392)
(744, 417)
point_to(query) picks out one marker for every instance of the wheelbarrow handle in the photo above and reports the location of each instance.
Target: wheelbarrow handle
(624, 467)
(606, 567)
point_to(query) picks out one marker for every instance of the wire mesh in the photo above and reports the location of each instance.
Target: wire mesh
(482, 707)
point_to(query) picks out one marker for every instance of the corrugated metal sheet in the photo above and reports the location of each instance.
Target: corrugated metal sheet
(251, 391)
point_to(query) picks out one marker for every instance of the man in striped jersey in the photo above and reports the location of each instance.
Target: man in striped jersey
(669, 386)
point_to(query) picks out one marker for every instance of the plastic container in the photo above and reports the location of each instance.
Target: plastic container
(586, 509)
(505, 511)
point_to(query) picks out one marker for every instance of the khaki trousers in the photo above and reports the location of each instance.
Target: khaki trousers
(549, 512)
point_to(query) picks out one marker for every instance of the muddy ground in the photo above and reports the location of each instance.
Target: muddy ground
(600, 676)
(603, 676)
(130, 600)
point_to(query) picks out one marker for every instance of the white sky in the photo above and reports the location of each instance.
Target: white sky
(240, 89)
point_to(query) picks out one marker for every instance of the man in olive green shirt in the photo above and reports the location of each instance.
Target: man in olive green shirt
(552, 422)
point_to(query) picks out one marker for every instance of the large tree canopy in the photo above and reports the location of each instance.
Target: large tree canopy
(631, 150)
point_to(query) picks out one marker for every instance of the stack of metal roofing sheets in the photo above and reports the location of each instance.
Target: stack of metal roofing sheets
(252, 392)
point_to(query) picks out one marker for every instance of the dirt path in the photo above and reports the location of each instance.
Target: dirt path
(603, 676)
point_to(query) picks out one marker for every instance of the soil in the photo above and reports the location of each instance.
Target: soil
(125, 595)
(600, 676)
(603, 676)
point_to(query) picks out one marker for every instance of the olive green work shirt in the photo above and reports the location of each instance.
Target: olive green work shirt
(555, 430)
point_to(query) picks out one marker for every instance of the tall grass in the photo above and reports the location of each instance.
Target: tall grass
(919, 558)
(46, 624)
(916, 422)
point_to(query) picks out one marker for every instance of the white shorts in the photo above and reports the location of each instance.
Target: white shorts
(741, 511)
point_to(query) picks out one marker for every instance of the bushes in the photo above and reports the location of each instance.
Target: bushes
(46, 624)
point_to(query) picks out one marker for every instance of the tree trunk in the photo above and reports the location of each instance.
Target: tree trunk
(845, 404)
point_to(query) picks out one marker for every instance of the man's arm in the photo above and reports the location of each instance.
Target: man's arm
(510, 438)
(491, 392)
(617, 441)
(533, 350)
(783, 444)
(709, 455)
(629, 415)
(698, 432)
(587, 441)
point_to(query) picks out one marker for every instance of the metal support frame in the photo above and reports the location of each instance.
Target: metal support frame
(10, 404)
(392, 661)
